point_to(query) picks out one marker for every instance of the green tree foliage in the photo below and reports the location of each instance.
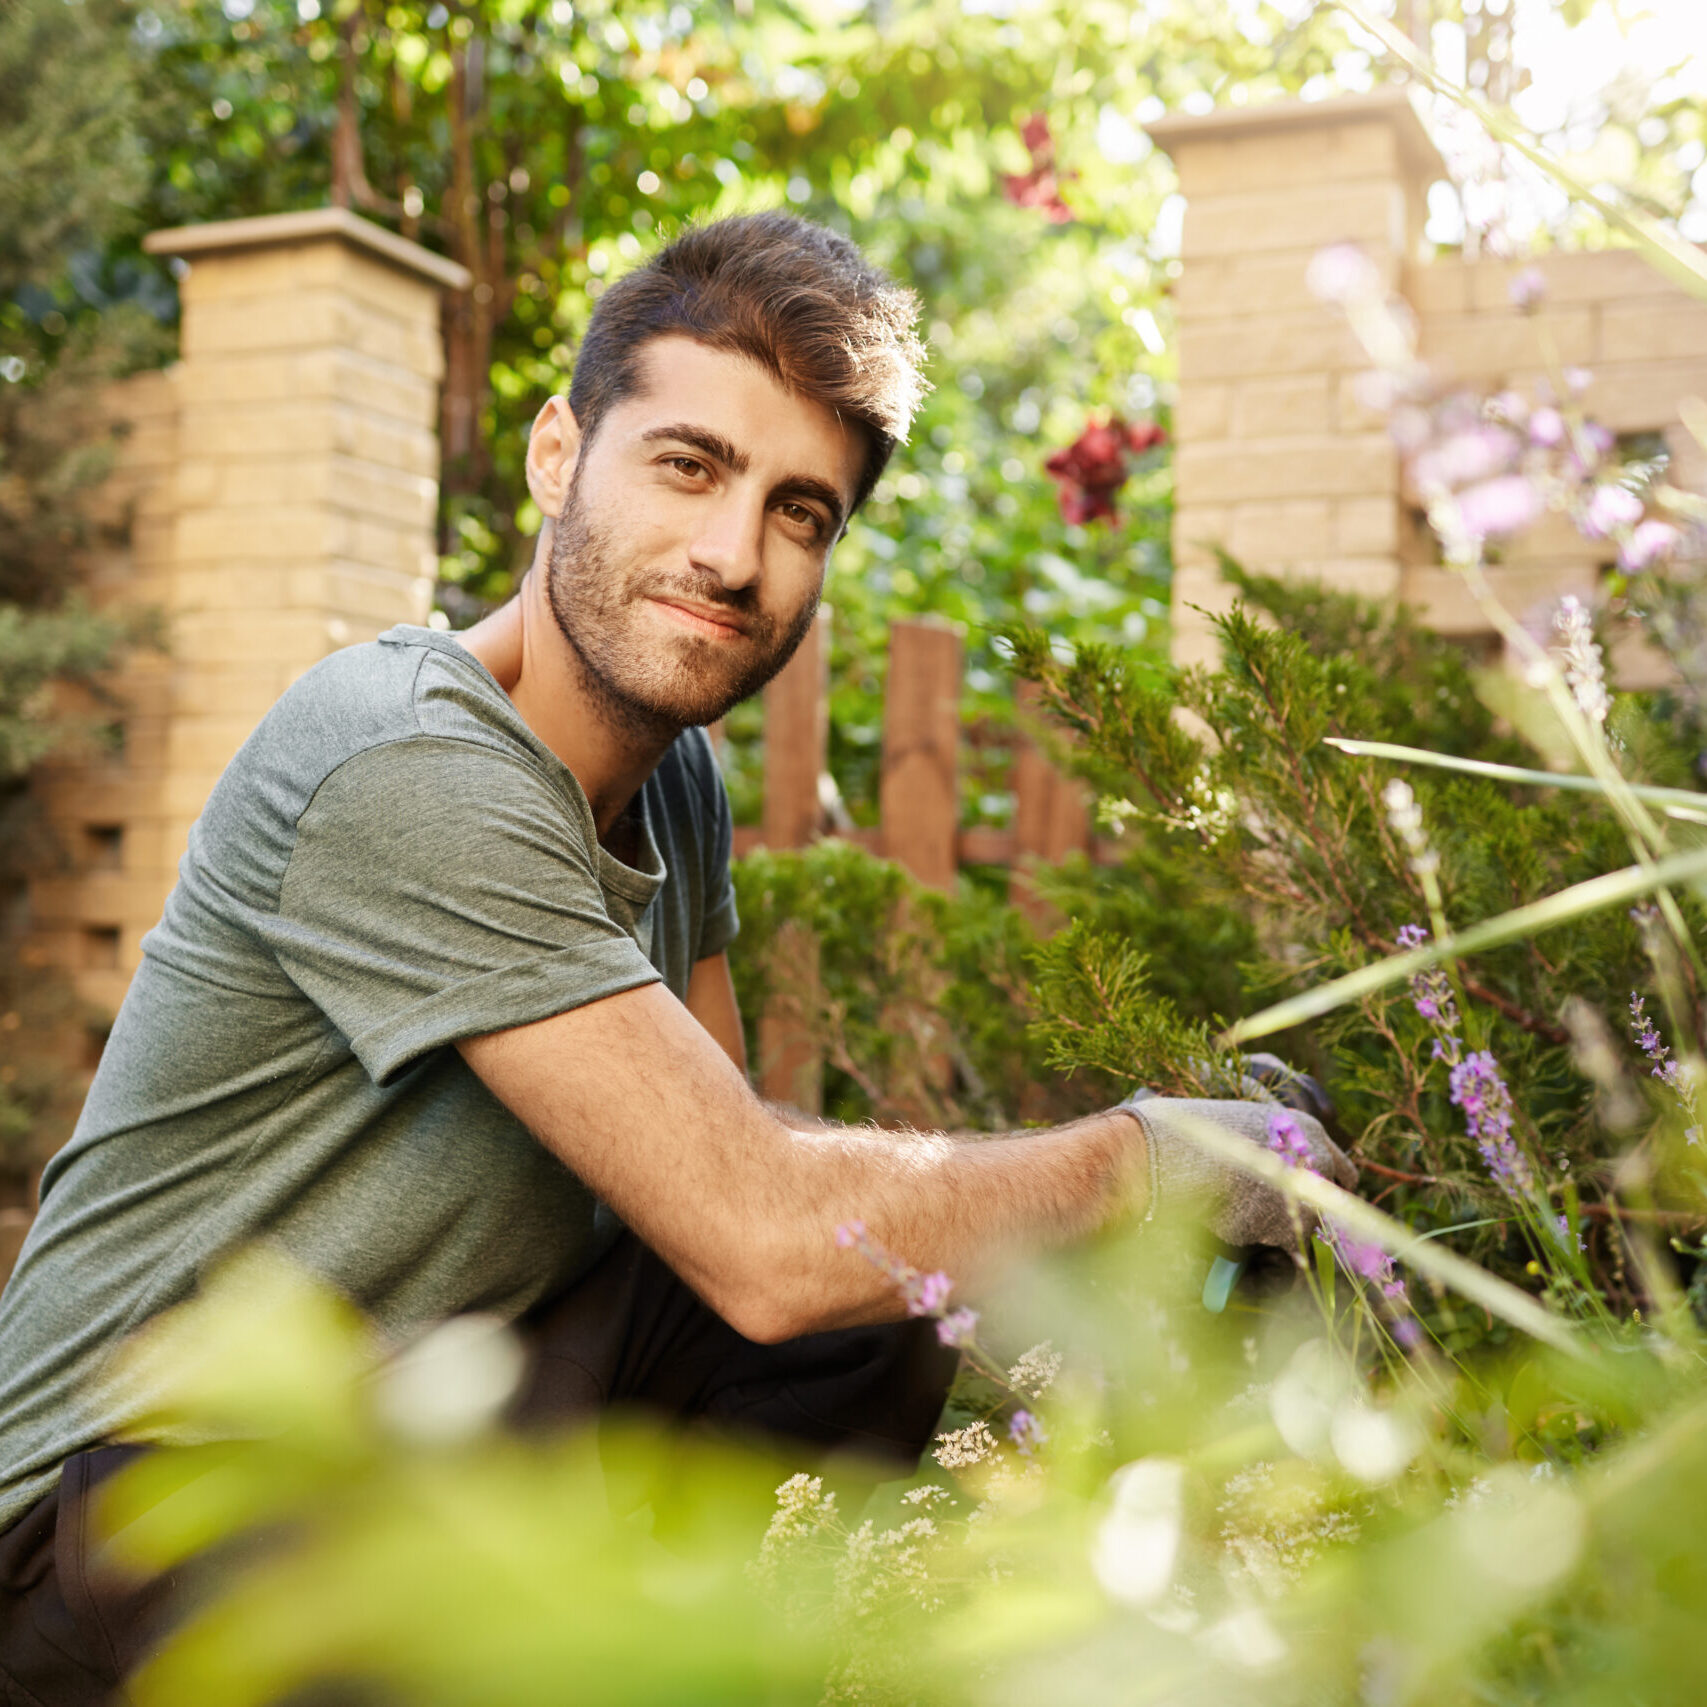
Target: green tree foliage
(73, 316)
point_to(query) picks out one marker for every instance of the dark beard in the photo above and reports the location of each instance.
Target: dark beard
(651, 689)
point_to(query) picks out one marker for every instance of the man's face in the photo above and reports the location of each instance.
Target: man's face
(686, 565)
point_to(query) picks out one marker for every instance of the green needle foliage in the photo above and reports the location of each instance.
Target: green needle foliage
(1223, 780)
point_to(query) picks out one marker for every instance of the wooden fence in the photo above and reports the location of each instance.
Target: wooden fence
(919, 776)
(918, 807)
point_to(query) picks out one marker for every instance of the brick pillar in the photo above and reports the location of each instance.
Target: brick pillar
(291, 512)
(1275, 459)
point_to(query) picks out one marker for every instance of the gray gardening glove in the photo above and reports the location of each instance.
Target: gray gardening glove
(1241, 1209)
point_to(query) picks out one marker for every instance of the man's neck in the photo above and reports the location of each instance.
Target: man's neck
(526, 653)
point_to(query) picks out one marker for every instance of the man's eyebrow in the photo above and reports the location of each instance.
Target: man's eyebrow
(720, 449)
(703, 439)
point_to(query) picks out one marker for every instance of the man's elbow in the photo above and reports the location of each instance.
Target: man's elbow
(763, 1302)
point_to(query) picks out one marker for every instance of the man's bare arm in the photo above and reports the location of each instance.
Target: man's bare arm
(636, 1096)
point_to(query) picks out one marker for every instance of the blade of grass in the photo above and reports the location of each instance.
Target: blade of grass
(1368, 1224)
(1552, 910)
(1681, 803)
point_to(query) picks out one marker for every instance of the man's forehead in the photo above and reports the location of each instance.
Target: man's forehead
(738, 397)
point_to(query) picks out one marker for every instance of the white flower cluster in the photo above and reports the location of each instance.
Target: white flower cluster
(1036, 1370)
(1406, 817)
(803, 1513)
(965, 1446)
(1209, 811)
(1272, 1534)
(1580, 658)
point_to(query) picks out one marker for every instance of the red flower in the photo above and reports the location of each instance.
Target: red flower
(1041, 186)
(1090, 470)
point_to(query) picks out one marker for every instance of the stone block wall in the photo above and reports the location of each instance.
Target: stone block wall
(281, 487)
(1277, 462)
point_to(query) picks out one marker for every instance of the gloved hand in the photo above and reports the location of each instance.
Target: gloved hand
(1241, 1209)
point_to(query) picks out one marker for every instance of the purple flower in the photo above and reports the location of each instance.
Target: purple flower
(1431, 994)
(1611, 510)
(1528, 289)
(1343, 273)
(1408, 1332)
(1496, 508)
(1286, 1139)
(957, 1327)
(1026, 1432)
(928, 1293)
(1648, 1041)
(1365, 1262)
(1547, 428)
(1651, 543)
(1484, 1099)
(1477, 452)
(1562, 1231)
(1589, 449)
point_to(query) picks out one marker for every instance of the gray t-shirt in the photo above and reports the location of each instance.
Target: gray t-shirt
(393, 861)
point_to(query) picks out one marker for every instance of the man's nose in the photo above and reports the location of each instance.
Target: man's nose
(730, 539)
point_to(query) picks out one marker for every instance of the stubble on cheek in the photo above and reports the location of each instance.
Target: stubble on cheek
(649, 677)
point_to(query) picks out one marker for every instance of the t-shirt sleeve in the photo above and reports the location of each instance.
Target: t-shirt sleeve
(437, 890)
(720, 923)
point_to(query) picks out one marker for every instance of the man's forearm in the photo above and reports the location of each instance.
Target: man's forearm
(939, 1202)
(633, 1094)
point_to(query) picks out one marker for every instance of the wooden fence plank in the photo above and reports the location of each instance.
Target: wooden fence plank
(1051, 813)
(919, 796)
(797, 743)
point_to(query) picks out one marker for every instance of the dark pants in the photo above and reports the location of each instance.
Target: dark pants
(629, 1335)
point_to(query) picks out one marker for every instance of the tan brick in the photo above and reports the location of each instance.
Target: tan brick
(1368, 213)
(1196, 591)
(1491, 347)
(359, 592)
(1346, 152)
(1279, 408)
(1204, 412)
(1555, 540)
(341, 375)
(202, 744)
(1326, 467)
(1633, 397)
(309, 319)
(1198, 531)
(1367, 527)
(272, 640)
(329, 262)
(1271, 536)
(1650, 331)
(1266, 283)
(237, 536)
(1527, 592)
(1257, 345)
(1635, 665)
(1437, 287)
(1374, 578)
(1602, 276)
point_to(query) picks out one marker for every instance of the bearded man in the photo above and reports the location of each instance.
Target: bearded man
(440, 1005)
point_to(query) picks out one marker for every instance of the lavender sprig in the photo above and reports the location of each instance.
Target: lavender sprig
(1670, 1073)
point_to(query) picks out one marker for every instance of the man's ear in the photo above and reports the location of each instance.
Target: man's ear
(553, 445)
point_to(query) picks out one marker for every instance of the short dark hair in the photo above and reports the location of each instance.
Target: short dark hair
(800, 300)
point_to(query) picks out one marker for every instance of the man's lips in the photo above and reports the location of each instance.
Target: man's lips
(716, 624)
